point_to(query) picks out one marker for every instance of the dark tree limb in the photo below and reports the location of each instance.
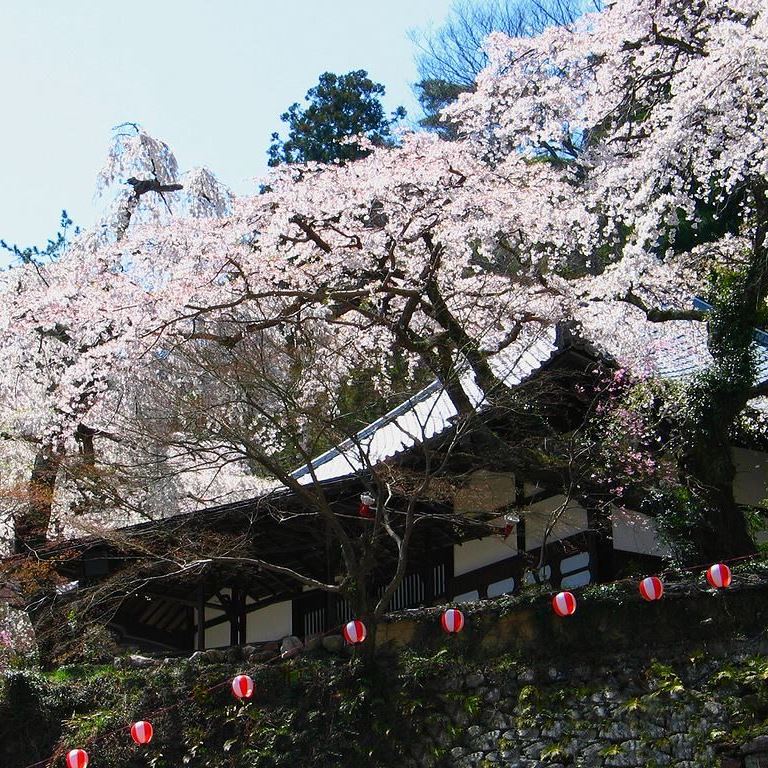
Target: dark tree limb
(142, 186)
(656, 315)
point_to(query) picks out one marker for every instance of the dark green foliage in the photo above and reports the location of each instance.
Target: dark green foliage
(339, 108)
(320, 710)
(677, 514)
(315, 713)
(717, 527)
(434, 94)
(360, 403)
(329, 713)
(33, 254)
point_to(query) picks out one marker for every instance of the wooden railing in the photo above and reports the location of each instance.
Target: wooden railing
(566, 563)
(317, 612)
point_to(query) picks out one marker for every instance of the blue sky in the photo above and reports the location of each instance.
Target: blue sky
(210, 78)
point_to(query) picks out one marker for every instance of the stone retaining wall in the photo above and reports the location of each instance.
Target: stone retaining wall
(621, 683)
(689, 707)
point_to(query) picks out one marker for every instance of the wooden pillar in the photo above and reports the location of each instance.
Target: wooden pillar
(200, 614)
(600, 536)
(237, 619)
(331, 610)
(520, 535)
(450, 591)
(428, 574)
(297, 616)
(233, 612)
(242, 619)
(518, 509)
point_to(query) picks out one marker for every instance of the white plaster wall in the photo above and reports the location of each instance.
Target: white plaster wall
(636, 532)
(480, 552)
(273, 622)
(571, 521)
(750, 486)
(218, 636)
(532, 488)
(502, 587)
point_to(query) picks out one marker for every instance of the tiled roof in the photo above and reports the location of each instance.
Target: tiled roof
(679, 349)
(674, 350)
(427, 414)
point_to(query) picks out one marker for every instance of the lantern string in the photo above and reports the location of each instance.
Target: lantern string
(334, 630)
(162, 710)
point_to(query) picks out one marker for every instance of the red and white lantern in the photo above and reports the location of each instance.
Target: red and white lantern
(651, 588)
(452, 621)
(719, 576)
(354, 632)
(141, 732)
(564, 604)
(367, 503)
(242, 687)
(77, 758)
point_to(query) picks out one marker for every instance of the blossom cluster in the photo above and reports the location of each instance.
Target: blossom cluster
(197, 334)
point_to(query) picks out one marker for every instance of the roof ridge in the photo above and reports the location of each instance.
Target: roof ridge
(351, 442)
(556, 345)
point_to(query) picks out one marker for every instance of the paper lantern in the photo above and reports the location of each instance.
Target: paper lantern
(651, 588)
(564, 604)
(77, 758)
(452, 621)
(141, 732)
(242, 687)
(354, 632)
(719, 576)
(367, 502)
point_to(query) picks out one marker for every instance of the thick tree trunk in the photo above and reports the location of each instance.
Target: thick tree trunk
(716, 400)
(723, 532)
(32, 523)
(722, 393)
(368, 648)
(362, 601)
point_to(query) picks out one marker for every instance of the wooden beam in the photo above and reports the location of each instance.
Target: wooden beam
(152, 610)
(237, 617)
(181, 619)
(200, 615)
(251, 607)
(177, 641)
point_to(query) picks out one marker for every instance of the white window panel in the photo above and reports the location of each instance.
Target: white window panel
(502, 587)
(574, 580)
(574, 563)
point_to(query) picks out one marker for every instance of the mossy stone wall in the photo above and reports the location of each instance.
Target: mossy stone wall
(621, 683)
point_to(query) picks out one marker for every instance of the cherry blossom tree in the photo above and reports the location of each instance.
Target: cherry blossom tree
(603, 175)
(653, 114)
(73, 335)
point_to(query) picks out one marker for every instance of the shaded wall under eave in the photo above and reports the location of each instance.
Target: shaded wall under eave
(750, 486)
(272, 622)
